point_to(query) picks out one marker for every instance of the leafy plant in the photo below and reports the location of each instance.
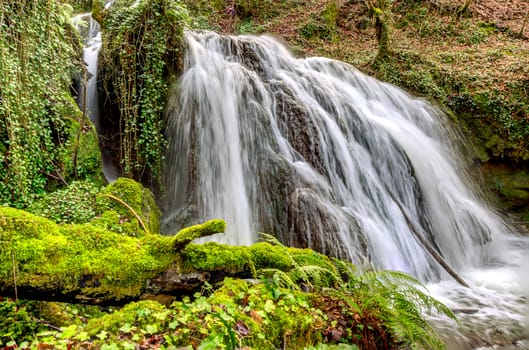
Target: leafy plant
(38, 58)
(16, 322)
(73, 204)
(141, 46)
(390, 300)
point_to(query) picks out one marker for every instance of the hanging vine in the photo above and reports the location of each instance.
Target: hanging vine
(141, 47)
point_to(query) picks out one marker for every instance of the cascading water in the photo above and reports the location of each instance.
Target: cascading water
(320, 154)
(325, 157)
(90, 32)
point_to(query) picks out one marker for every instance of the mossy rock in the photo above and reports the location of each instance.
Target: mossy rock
(77, 257)
(138, 198)
(511, 185)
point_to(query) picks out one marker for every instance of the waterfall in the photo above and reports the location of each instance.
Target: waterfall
(320, 155)
(90, 31)
(323, 156)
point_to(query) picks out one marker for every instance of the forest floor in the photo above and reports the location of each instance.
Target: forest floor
(488, 45)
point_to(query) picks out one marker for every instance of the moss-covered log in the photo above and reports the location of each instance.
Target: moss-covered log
(88, 264)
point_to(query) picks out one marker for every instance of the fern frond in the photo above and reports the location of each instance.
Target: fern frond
(280, 278)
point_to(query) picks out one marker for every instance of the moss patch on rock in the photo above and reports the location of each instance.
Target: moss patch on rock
(77, 258)
(117, 217)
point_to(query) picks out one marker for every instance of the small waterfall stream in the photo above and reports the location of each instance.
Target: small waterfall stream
(325, 157)
(91, 33)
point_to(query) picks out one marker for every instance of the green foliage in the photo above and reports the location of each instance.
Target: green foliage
(245, 9)
(371, 311)
(16, 322)
(396, 299)
(411, 71)
(247, 26)
(141, 50)
(38, 61)
(307, 268)
(82, 159)
(399, 300)
(74, 204)
(315, 28)
(80, 6)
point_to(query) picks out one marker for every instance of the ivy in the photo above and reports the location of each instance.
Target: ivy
(38, 61)
(141, 46)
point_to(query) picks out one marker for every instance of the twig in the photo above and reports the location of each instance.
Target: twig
(46, 323)
(437, 257)
(121, 201)
(15, 277)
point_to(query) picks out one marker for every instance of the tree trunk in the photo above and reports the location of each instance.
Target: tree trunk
(382, 12)
(88, 264)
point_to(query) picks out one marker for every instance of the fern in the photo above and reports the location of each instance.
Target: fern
(399, 300)
(391, 297)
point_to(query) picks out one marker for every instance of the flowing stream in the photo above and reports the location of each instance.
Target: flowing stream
(90, 32)
(323, 156)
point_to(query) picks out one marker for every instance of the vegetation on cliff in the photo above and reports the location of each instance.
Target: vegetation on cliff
(41, 127)
(139, 58)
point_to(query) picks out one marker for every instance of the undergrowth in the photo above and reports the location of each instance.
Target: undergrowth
(316, 303)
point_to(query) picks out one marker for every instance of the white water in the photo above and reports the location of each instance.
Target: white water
(323, 156)
(90, 32)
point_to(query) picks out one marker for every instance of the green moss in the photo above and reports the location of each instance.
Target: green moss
(217, 257)
(266, 255)
(188, 234)
(140, 199)
(139, 313)
(330, 15)
(74, 257)
(512, 187)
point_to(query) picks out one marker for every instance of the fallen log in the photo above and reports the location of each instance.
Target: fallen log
(88, 264)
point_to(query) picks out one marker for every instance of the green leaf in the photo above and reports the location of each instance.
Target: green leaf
(82, 336)
(269, 306)
(68, 332)
(151, 328)
(102, 335)
(126, 328)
